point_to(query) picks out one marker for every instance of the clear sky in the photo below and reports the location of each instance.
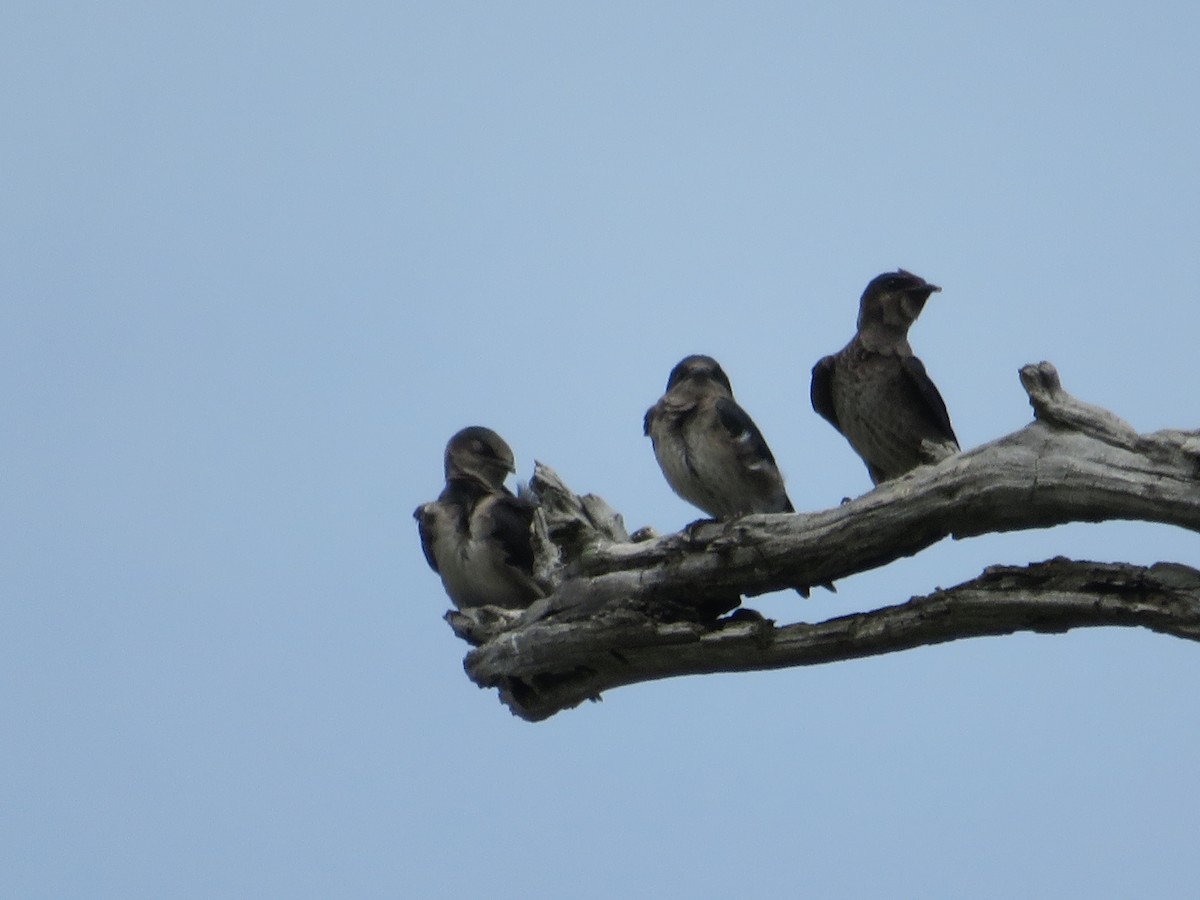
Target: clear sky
(261, 259)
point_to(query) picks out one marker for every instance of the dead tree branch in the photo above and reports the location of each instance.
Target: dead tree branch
(626, 611)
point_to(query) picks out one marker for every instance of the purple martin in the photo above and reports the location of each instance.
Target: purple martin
(477, 535)
(709, 449)
(875, 391)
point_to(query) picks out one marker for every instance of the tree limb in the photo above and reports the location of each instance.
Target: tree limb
(549, 666)
(627, 611)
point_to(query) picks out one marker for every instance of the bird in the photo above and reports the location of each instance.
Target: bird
(477, 535)
(876, 392)
(710, 451)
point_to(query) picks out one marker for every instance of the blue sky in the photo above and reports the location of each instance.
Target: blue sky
(260, 260)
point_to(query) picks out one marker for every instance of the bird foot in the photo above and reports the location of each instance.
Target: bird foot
(805, 590)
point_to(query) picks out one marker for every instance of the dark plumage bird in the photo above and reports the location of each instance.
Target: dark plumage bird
(710, 451)
(477, 536)
(875, 391)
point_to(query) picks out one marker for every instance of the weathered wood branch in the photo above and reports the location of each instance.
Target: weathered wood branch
(627, 611)
(549, 666)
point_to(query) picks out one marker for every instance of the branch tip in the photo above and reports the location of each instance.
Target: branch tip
(1041, 383)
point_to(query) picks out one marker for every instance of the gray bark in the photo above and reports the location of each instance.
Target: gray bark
(625, 611)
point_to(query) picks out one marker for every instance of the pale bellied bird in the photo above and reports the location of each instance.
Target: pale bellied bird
(709, 449)
(477, 535)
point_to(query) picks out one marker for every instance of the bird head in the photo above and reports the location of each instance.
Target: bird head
(699, 371)
(892, 302)
(479, 452)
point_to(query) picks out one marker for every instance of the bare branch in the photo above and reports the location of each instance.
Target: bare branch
(627, 611)
(549, 666)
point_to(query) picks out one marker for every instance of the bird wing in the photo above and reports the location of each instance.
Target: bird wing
(750, 447)
(511, 527)
(748, 442)
(425, 529)
(930, 400)
(821, 390)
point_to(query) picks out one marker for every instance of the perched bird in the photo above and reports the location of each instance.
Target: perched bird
(875, 391)
(710, 451)
(477, 535)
